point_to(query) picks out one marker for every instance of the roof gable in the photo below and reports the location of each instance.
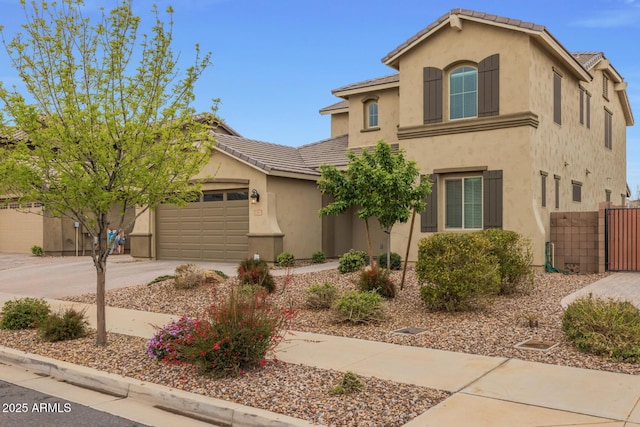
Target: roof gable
(455, 18)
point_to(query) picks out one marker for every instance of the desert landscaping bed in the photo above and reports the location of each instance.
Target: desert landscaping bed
(302, 391)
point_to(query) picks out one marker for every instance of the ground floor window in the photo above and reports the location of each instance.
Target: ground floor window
(463, 203)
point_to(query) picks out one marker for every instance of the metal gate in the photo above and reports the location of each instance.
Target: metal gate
(622, 239)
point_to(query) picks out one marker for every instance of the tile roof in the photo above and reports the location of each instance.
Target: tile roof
(588, 59)
(336, 106)
(391, 78)
(273, 158)
(329, 151)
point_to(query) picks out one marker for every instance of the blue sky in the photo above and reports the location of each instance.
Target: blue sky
(275, 62)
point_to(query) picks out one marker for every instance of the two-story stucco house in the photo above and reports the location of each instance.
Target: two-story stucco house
(509, 125)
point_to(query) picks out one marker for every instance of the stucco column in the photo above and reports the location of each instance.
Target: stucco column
(265, 236)
(141, 239)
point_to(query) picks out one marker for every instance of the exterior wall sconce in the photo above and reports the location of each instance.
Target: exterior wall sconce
(255, 197)
(587, 171)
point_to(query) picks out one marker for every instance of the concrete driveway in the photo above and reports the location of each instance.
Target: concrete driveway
(55, 277)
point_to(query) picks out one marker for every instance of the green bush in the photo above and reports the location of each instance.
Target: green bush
(69, 325)
(37, 250)
(396, 261)
(458, 271)
(285, 259)
(256, 272)
(604, 327)
(318, 257)
(378, 280)
(321, 296)
(348, 384)
(24, 313)
(514, 258)
(236, 335)
(352, 261)
(188, 276)
(359, 307)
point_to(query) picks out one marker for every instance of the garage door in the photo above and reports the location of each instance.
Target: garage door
(21, 226)
(212, 229)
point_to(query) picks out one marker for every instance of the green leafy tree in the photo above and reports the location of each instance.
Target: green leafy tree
(106, 120)
(380, 184)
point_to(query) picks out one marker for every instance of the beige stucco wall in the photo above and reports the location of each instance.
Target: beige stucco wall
(20, 229)
(339, 124)
(297, 205)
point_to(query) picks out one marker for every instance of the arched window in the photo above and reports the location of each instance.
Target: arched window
(371, 114)
(463, 93)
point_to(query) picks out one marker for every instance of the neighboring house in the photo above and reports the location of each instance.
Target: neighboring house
(509, 125)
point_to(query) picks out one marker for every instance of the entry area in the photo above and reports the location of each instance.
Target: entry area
(214, 228)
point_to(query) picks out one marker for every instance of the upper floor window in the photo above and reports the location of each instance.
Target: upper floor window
(557, 98)
(463, 93)
(472, 92)
(371, 114)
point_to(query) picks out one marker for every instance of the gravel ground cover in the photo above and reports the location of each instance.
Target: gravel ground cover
(302, 391)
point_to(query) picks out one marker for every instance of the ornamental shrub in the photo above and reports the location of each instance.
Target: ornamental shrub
(68, 325)
(514, 258)
(285, 259)
(188, 276)
(378, 280)
(352, 261)
(348, 384)
(359, 307)
(24, 313)
(166, 344)
(256, 272)
(37, 250)
(318, 257)
(237, 334)
(321, 296)
(457, 271)
(396, 261)
(604, 327)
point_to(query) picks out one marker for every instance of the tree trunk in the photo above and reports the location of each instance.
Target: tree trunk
(388, 231)
(101, 275)
(406, 257)
(369, 250)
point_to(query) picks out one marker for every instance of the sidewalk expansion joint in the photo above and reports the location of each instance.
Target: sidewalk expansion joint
(482, 376)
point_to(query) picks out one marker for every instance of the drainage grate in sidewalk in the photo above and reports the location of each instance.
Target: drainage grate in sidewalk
(536, 345)
(410, 331)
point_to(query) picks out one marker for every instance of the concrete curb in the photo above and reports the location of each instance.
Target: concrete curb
(177, 401)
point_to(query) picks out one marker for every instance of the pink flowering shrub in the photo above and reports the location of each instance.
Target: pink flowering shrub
(166, 344)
